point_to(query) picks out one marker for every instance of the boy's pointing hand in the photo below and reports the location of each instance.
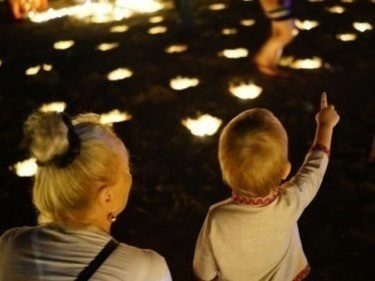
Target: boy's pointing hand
(327, 116)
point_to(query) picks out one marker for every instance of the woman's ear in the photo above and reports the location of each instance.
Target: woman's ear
(287, 169)
(105, 197)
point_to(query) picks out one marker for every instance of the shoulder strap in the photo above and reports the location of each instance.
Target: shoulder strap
(89, 271)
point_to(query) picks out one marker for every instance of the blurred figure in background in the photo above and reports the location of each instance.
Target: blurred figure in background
(280, 13)
(20, 8)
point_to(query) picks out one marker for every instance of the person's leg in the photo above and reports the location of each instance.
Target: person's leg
(283, 32)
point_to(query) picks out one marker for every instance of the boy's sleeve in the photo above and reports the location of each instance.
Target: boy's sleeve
(204, 264)
(303, 187)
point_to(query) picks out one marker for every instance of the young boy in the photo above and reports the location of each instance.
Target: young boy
(254, 235)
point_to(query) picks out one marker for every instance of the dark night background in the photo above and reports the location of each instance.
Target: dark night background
(176, 174)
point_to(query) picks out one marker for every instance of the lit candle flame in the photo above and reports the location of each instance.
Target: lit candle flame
(57, 106)
(178, 48)
(104, 47)
(63, 45)
(47, 67)
(362, 26)
(181, 83)
(310, 63)
(205, 125)
(306, 24)
(119, 74)
(156, 19)
(245, 90)
(119, 28)
(346, 37)
(114, 116)
(26, 168)
(234, 53)
(157, 30)
(247, 22)
(33, 70)
(336, 9)
(217, 7)
(229, 31)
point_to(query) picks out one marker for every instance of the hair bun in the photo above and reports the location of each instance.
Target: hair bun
(47, 135)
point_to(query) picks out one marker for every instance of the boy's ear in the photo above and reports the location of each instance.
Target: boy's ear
(287, 169)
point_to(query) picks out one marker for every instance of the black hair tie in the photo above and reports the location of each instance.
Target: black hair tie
(74, 147)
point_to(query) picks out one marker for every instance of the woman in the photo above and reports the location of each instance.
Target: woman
(82, 184)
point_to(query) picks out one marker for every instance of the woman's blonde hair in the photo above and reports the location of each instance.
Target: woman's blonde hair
(61, 192)
(253, 152)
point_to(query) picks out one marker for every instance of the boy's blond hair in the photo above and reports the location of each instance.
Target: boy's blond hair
(253, 152)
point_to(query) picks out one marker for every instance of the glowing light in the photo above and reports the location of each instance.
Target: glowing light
(96, 12)
(346, 37)
(181, 83)
(347, 1)
(1, 62)
(205, 125)
(306, 24)
(178, 48)
(247, 22)
(26, 168)
(316, 1)
(47, 67)
(119, 28)
(217, 7)
(234, 53)
(336, 9)
(114, 116)
(157, 30)
(229, 31)
(104, 47)
(57, 106)
(99, 11)
(245, 90)
(311, 63)
(63, 45)
(119, 74)
(140, 6)
(156, 19)
(362, 26)
(33, 70)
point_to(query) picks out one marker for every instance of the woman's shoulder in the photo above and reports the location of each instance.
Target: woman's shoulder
(149, 260)
(144, 255)
(15, 232)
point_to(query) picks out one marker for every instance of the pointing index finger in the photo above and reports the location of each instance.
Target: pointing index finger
(323, 101)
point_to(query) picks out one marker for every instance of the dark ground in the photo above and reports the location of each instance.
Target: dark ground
(176, 175)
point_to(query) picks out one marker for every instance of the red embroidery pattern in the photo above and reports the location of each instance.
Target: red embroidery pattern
(256, 201)
(320, 147)
(303, 274)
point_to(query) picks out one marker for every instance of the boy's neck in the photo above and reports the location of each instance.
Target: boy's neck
(246, 199)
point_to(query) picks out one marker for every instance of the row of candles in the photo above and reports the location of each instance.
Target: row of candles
(102, 11)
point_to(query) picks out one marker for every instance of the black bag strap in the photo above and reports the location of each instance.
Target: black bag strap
(89, 271)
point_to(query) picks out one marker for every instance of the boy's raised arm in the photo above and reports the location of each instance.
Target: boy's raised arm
(306, 183)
